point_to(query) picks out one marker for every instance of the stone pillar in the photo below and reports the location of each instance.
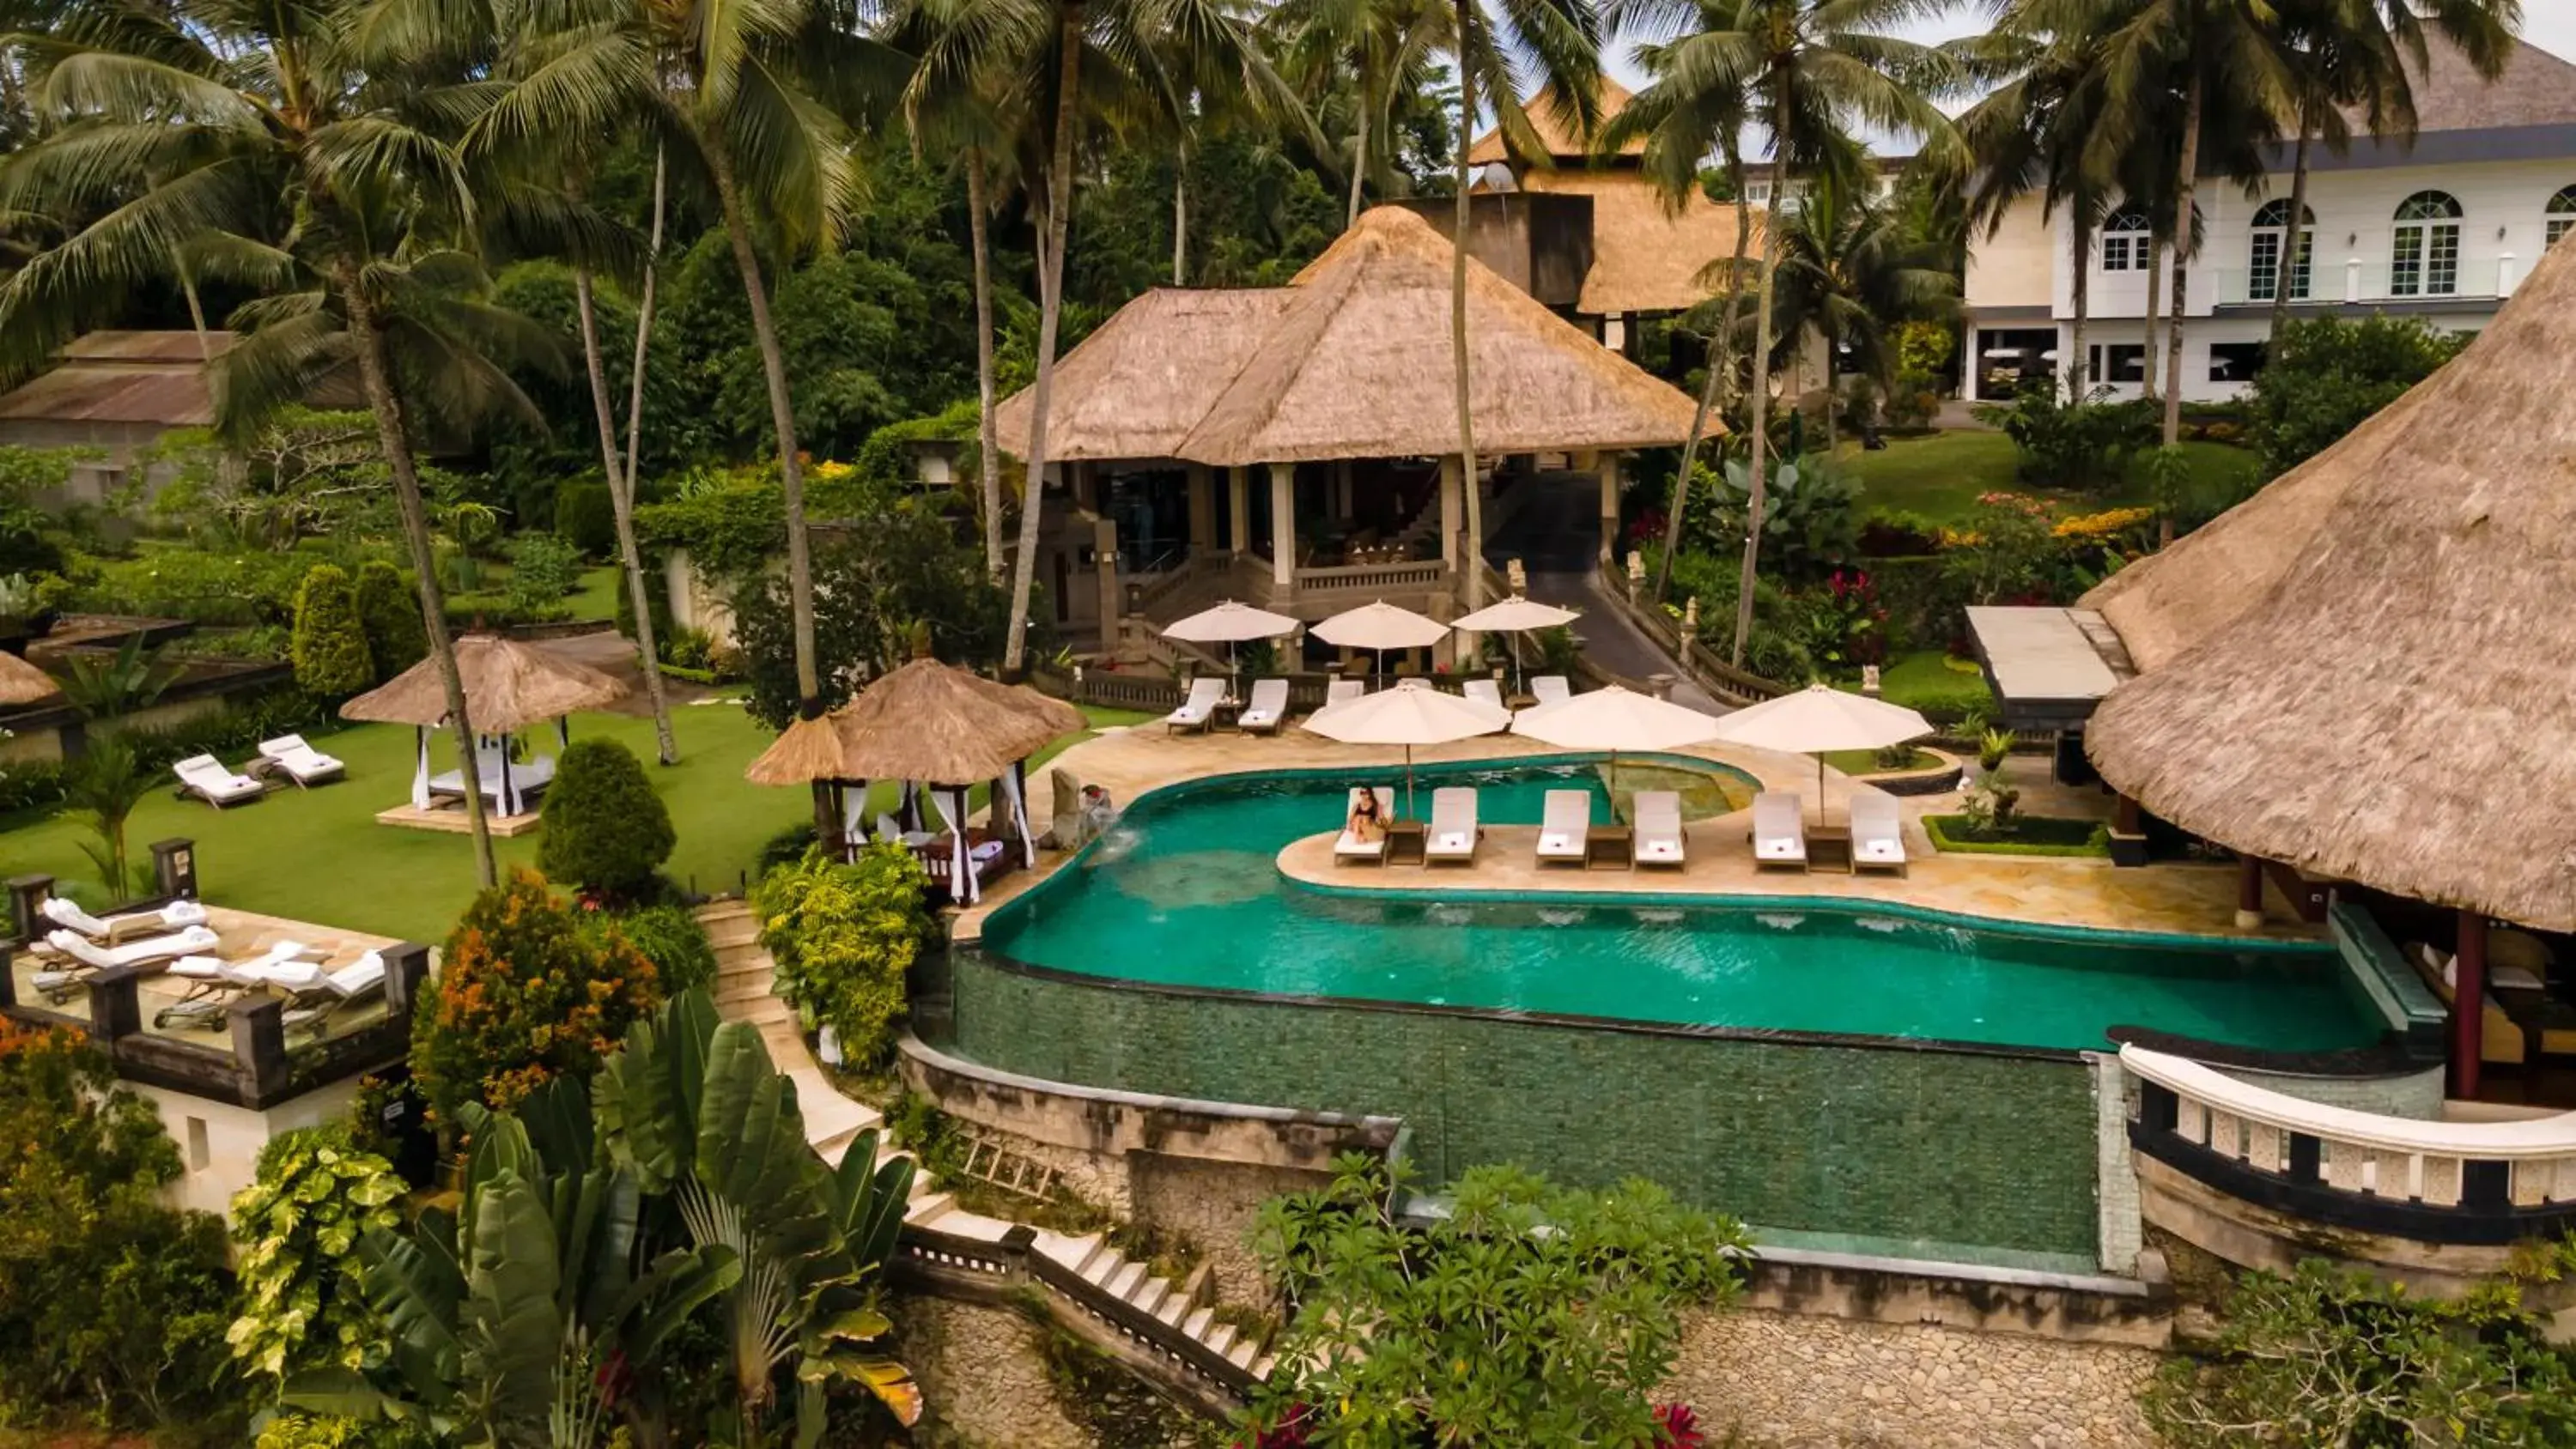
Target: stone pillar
(1104, 553)
(1453, 510)
(1202, 510)
(259, 1043)
(1345, 499)
(1283, 525)
(2249, 893)
(406, 972)
(115, 1009)
(1238, 497)
(27, 893)
(1609, 505)
(1614, 332)
(2468, 1005)
(174, 867)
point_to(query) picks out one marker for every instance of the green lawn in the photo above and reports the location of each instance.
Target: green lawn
(1940, 476)
(597, 596)
(1930, 680)
(319, 855)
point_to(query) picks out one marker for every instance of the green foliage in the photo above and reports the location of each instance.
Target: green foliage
(1969, 833)
(2008, 554)
(1778, 649)
(208, 586)
(543, 568)
(1924, 347)
(671, 938)
(525, 995)
(2323, 376)
(586, 517)
(843, 937)
(112, 1304)
(101, 789)
(389, 611)
(2080, 445)
(2336, 1356)
(1993, 748)
(733, 523)
(30, 537)
(330, 645)
(885, 460)
(1528, 1314)
(298, 1226)
(106, 686)
(1810, 516)
(605, 829)
(871, 597)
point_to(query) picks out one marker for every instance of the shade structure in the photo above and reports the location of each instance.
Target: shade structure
(938, 723)
(23, 683)
(1819, 719)
(1615, 719)
(1230, 623)
(510, 684)
(1380, 626)
(1515, 615)
(1412, 713)
(807, 752)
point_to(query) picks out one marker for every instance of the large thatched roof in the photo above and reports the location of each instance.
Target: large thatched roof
(925, 721)
(1352, 360)
(1646, 257)
(2363, 671)
(24, 683)
(1562, 143)
(510, 684)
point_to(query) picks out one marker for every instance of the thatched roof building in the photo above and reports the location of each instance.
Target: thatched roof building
(509, 685)
(1350, 360)
(2364, 670)
(24, 683)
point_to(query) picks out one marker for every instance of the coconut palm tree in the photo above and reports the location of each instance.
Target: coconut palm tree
(300, 152)
(1849, 273)
(1817, 70)
(1379, 49)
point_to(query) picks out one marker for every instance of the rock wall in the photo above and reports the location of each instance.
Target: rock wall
(982, 1376)
(1798, 1382)
(1214, 1206)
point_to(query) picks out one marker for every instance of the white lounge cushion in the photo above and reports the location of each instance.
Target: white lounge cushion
(2511, 978)
(1566, 825)
(1659, 827)
(177, 915)
(1483, 689)
(1350, 845)
(1779, 827)
(1268, 707)
(1452, 835)
(1549, 688)
(1878, 832)
(1342, 689)
(291, 754)
(209, 777)
(1200, 706)
(195, 940)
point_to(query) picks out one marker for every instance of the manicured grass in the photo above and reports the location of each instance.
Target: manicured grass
(1930, 678)
(1939, 477)
(318, 855)
(2031, 835)
(597, 596)
(1865, 762)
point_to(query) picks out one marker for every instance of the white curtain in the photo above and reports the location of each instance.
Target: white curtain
(962, 887)
(854, 813)
(1015, 788)
(420, 772)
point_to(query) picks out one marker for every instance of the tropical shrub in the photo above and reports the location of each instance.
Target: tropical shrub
(208, 586)
(2336, 1356)
(586, 517)
(872, 598)
(843, 936)
(2324, 376)
(330, 642)
(112, 1303)
(102, 789)
(543, 568)
(605, 829)
(524, 995)
(2085, 444)
(1810, 516)
(390, 613)
(1847, 626)
(1528, 1314)
(671, 938)
(2008, 553)
(298, 1225)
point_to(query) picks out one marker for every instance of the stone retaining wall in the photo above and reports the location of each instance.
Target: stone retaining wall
(982, 1377)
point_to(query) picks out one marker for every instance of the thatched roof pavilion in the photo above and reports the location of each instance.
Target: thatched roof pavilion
(24, 683)
(509, 685)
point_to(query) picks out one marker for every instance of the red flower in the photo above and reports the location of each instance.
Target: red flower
(1678, 1427)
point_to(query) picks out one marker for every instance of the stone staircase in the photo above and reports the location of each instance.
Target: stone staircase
(833, 1122)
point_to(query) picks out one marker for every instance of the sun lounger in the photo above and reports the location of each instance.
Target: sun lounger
(1659, 829)
(312, 1008)
(1779, 829)
(205, 777)
(114, 930)
(1483, 689)
(1199, 710)
(890, 830)
(1877, 832)
(1342, 689)
(1453, 834)
(1564, 834)
(213, 983)
(1549, 688)
(86, 958)
(528, 778)
(1350, 848)
(1268, 709)
(2504, 1039)
(300, 762)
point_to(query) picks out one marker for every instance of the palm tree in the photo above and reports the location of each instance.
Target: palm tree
(206, 125)
(1818, 69)
(1379, 48)
(1849, 272)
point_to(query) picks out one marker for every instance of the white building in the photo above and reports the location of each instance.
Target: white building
(2442, 229)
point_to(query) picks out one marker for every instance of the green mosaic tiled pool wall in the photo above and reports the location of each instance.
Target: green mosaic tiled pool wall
(1924, 1146)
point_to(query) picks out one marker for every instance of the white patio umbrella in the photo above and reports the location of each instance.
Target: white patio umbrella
(1515, 615)
(1615, 719)
(1228, 624)
(1380, 626)
(1412, 713)
(1819, 719)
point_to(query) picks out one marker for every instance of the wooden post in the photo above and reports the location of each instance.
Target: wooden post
(2249, 892)
(2125, 816)
(1452, 508)
(1104, 557)
(1202, 510)
(1238, 497)
(2468, 1005)
(1283, 525)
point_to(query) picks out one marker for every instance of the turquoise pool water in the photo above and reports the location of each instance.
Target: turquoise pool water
(1186, 892)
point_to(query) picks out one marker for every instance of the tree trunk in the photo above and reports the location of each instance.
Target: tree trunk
(1471, 554)
(1760, 479)
(1181, 216)
(1359, 161)
(2294, 239)
(621, 506)
(2147, 369)
(2185, 184)
(1721, 375)
(782, 418)
(2080, 372)
(621, 487)
(377, 380)
(1059, 218)
(987, 443)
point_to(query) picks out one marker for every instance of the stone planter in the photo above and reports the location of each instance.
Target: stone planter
(2128, 847)
(1934, 779)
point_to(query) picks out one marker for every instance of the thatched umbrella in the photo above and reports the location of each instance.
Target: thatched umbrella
(23, 683)
(509, 685)
(2363, 671)
(807, 752)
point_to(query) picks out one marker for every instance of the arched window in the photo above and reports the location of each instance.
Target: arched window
(2425, 260)
(2562, 214)
(2127, 243)
(2269, 241)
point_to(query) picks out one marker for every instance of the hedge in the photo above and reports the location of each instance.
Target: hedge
(1950, 833)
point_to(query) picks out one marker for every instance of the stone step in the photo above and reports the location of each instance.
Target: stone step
(1152, 1294)
(1122, 1282)
(741, 988)
(1197, 1323)
(1219, 1339)
(1262, 1366)
(1243, 1353)
(927, 1205)
(1104, 1263)
(734, 935)
(1173, 1308)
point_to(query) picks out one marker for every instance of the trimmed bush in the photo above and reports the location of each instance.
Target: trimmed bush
(586, 518)
(330, 646)
(2032, 835)
(843, 937)
(606, 831)
(390, 613)
(671, 938)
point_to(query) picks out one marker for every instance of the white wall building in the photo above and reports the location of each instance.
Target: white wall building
(2444, 230)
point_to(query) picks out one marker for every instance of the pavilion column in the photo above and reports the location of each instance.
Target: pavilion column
(1202, 511)
(1283, 525)
(1609, 505)
(2468, 1005)
(1238, 496)
(1343, 498)
(1104, 553)
(1452, 510)
(2249, 892)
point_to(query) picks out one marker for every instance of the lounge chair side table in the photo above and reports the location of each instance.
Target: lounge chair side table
(1610, 845)
(1406, 841)
(1829, 847)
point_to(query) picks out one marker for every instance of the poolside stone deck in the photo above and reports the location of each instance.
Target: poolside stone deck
(2174, 898)
(240, 935)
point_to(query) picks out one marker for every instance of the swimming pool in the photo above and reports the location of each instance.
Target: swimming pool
(1186, 892)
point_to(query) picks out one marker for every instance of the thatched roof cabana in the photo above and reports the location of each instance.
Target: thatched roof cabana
(937, 722)
(24, 683)
(807, 752)
(509, 685)
(2363, 671)
(1351, 360)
